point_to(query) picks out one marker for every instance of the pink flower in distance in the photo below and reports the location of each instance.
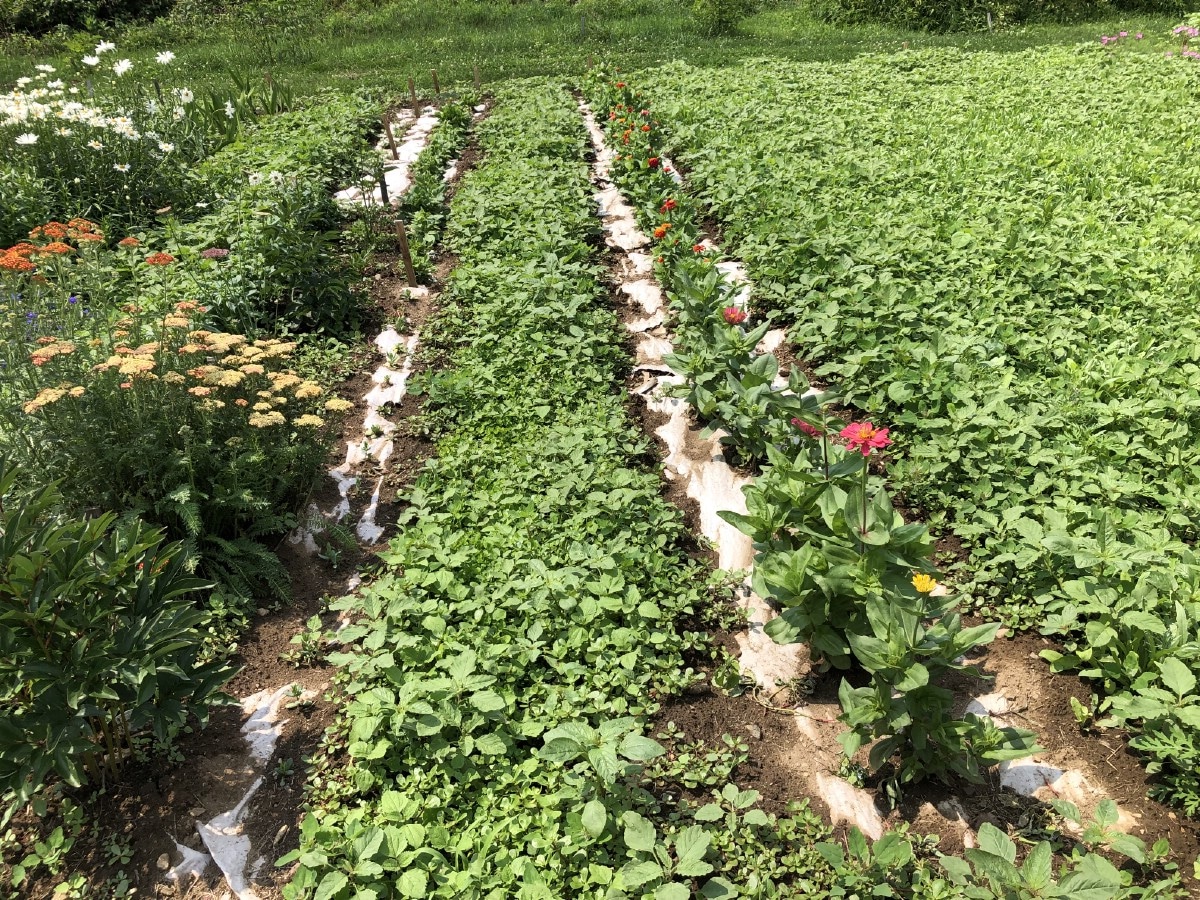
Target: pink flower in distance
(811, 430)
(734, 316)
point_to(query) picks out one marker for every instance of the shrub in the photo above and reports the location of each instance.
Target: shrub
(721, 16)
(956, 15)
(23, 200)
(40, 16)
(99, 640)
(283, 270)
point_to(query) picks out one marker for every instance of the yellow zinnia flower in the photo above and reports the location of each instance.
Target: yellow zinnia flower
(924, 583)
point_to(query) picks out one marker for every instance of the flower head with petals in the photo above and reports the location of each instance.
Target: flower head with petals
(864, 437)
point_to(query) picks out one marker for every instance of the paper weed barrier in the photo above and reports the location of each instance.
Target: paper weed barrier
(698, 464)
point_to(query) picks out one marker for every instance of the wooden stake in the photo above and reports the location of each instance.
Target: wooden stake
(437, 90)
(412, 93)
(402, 239)
(383, 194)
(387, 129)
(477, 79)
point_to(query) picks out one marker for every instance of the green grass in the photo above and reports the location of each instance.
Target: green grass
(380, 47)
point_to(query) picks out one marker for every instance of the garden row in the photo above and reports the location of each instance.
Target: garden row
(161, 426)
(1017, 310)
(851, 577)
(536, 609)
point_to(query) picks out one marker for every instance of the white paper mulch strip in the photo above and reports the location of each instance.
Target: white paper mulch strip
(411, 134)
(698, 463)
(224, 837)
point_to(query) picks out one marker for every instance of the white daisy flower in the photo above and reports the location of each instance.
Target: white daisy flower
(95, 144)
(185, 96)
(105, 46)
(121, 167)
(230, 112)
(56, 84)
(22, 81)
(91, 60)
(121, 67)
(45, 68)
(165, 58)
(165, 146)
(27, 139)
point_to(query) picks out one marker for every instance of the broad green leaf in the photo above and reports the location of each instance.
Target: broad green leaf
(330, 885)
(594, 817)
(413, 883)
(1037, 869)
(635, 874)
(639, 833)
(1177, 676)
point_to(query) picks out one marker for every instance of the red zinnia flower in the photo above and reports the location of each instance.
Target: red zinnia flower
(734, 315)
(697, 248)
(652, 162)
(811, 430)
(864, 437)
(668, 206)
(645, 128)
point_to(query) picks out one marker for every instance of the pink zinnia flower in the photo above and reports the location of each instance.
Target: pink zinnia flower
(734, 316)
(811, 430)
(864, 437)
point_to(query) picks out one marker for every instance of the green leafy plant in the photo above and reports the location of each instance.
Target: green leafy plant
(100, 641)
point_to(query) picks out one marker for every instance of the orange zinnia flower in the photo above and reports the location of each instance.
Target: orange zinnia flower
(159, 259)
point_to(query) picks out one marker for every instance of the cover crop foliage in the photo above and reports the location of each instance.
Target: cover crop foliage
(1015, 299)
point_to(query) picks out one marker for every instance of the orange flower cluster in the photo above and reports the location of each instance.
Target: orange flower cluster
(17, 258)
(57, 248)
(159, 259)
(75, 229)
